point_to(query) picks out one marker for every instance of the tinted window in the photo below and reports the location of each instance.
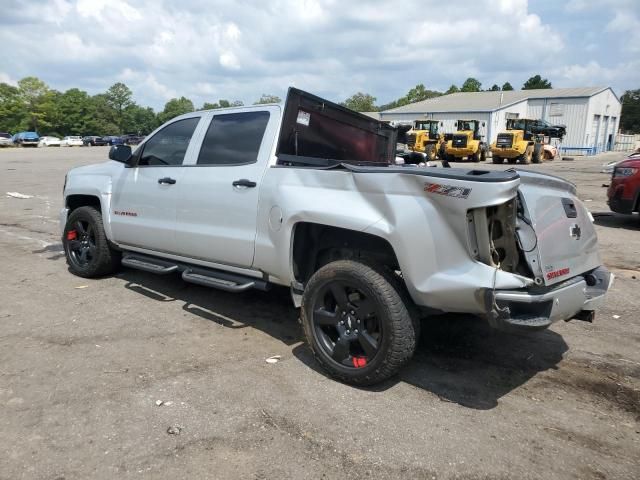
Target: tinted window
(233, 139)
(169, 145)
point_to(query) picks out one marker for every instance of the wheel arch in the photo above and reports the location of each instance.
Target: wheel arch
(315, 244)
(77, 200)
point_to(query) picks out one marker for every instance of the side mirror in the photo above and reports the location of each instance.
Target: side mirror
(120, 153)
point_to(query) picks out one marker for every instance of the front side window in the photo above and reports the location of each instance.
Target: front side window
(169, 145)
(233, 139)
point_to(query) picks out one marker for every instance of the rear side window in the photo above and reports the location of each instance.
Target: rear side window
(169, 145)
(233, 139)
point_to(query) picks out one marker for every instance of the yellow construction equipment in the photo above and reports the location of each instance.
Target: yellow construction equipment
(520, 144)
(466, 142)
(424, 138)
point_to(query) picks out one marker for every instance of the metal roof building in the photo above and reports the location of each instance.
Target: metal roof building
(591, 114)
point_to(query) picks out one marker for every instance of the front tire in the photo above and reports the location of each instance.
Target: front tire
(86, 247)
(358, 325)
(430, 153)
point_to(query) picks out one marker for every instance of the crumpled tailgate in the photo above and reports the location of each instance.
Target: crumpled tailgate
(565, 237)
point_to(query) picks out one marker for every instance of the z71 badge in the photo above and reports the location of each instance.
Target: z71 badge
(448, 190)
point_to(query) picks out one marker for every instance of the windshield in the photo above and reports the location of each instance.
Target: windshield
(5, 135)
(426, 125)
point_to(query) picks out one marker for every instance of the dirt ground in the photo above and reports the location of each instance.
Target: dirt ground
(83, 363)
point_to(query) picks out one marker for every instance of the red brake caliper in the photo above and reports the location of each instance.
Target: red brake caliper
(359, 362)
(72, 235)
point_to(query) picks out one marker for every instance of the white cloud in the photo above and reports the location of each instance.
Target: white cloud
(203, 49)
(6, 78)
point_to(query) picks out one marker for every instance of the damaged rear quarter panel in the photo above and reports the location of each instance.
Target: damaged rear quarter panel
(427, 230)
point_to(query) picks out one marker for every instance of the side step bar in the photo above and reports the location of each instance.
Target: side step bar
(208, 277)
(215, 282)
(153, 266)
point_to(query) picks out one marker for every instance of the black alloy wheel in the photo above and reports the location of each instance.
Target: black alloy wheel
(359, 321)
(86, 247)
(346, 324)
(81, 244)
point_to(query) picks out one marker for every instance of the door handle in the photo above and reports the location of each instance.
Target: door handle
(166, 180)
(243, 182)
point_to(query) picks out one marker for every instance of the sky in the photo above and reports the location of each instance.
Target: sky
(239, 49)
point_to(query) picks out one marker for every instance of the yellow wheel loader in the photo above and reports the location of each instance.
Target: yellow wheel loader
(424, 138)
(466, 143)
(519, 143)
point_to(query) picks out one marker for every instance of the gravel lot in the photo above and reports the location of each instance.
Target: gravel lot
(83, 363)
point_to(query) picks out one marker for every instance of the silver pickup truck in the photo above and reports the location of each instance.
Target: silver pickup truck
(309, 196)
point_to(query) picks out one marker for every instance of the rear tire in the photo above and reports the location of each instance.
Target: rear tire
(86, 247)
(525, 158)
(475, 158)
(430, 153)
(497, 160)
(537, 153)
(357, 323)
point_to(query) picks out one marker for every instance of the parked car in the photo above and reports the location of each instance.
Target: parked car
(132, 139)
(71, 141)
(5, 140)
(549, 130)
(624, 190)
(93, 141)
(308, 196)
(113, 140)
(49, 142)
(26, 139)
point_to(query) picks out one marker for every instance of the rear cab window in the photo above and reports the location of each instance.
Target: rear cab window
(233, 139)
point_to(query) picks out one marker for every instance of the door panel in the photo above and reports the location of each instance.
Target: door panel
(216, 220)
(145, 197)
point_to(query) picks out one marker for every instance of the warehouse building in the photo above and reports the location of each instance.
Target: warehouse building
(591, 114)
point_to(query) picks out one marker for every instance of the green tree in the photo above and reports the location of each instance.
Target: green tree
(416, 94)
(12, 110)
(536, 82)
(452, 89)
(72, 112)
(419, 93)
(630, 116)
(175, 107)
(101, 119)
(139, 120)
(32, 93)
(265, 98)
(221, 104)
(360, 102)
(506, 87)
(494, 88)
(471, 85)
(119, 97)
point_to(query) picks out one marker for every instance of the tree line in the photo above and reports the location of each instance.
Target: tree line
(33, 106)
(364, 102)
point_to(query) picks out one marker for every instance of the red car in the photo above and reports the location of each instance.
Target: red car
(624, 191)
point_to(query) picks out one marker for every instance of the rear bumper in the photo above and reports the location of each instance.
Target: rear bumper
(460, 152)
(505, 152)
(524, 310)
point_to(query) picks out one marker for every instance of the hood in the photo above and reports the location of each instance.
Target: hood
(105, 168)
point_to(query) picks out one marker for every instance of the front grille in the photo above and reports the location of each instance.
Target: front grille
(411, 140)
(505, 140)
(459, 141)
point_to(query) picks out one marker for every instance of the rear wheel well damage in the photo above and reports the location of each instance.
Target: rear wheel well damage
(77, 201)
(315, 245)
